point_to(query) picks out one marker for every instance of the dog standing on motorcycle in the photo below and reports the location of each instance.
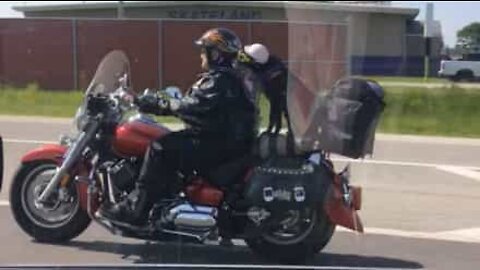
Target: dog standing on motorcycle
(274, 75)
(221, 117)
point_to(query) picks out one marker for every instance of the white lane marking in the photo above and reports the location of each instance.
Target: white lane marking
(419, 139)
(4, 203)
(471, 235)
(200, 266)
(28, 141)
(403, 163)
(465, 172)
(35, 119)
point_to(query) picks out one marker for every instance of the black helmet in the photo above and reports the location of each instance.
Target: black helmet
(222, 39)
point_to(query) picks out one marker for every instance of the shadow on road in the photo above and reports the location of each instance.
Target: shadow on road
(178, 253)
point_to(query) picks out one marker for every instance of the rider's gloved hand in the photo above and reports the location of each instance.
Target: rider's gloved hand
(155, 103)
(167, 104)
(164, 104)
(148, 102)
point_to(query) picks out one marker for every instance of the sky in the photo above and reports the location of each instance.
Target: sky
(452, 15)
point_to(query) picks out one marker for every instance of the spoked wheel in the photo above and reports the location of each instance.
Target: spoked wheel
(292, 227)
(58, 219)
(294, 236)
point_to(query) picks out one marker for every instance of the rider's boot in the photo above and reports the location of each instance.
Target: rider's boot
(132, 210)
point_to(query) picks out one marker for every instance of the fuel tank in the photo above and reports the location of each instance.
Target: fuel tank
(133, 137)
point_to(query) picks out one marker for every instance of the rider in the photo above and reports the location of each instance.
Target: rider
(221, 121)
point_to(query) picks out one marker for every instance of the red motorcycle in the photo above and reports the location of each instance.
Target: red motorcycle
(58, 188)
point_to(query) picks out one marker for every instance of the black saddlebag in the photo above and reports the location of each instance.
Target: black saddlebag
(288, 183)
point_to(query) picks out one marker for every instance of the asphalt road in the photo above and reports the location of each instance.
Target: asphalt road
(420, 209)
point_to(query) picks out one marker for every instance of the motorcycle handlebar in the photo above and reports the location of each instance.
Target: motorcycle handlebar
(126, 100)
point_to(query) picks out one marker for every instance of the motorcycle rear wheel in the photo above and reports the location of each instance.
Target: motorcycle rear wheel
(59, 220)
(299, 248)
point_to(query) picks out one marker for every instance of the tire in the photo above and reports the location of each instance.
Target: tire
(34, 220)
(298, 252)
(454, 78)
(464, 75)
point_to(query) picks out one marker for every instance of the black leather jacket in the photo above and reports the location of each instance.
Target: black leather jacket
(219, 105)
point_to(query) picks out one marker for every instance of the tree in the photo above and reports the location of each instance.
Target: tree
(468, 37)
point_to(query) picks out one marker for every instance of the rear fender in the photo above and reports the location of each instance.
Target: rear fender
(338, 212)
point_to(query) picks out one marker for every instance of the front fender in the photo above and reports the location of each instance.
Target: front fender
(52, 152)
(56, 153)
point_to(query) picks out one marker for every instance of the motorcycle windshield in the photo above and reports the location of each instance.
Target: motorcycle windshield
(113, 67)
(112, 70)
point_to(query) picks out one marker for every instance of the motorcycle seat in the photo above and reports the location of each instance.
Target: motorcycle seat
(229, 173)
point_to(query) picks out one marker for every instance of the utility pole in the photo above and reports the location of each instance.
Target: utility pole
(120, 10)
(428, 33)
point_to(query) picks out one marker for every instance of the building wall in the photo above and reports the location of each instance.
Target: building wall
(386, 35)
(87, 13)
(390, 45)
(207, 13)
(36, 51)
(139, 40)
(63, 54)
(199, 12)
(359, 34)
(378, 44)
(377, 35)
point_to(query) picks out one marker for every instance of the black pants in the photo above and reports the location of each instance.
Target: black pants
(183, 152)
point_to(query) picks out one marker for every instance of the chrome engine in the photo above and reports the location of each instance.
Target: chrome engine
(122, 175)
(192, 217)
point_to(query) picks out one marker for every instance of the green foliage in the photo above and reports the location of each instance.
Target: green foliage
(33, 101)
(443, 111)
(471, 30)
(469, 36)
(398, 79)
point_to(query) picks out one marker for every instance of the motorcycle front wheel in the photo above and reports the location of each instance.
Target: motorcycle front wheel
(297, 237)
(59, 219)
